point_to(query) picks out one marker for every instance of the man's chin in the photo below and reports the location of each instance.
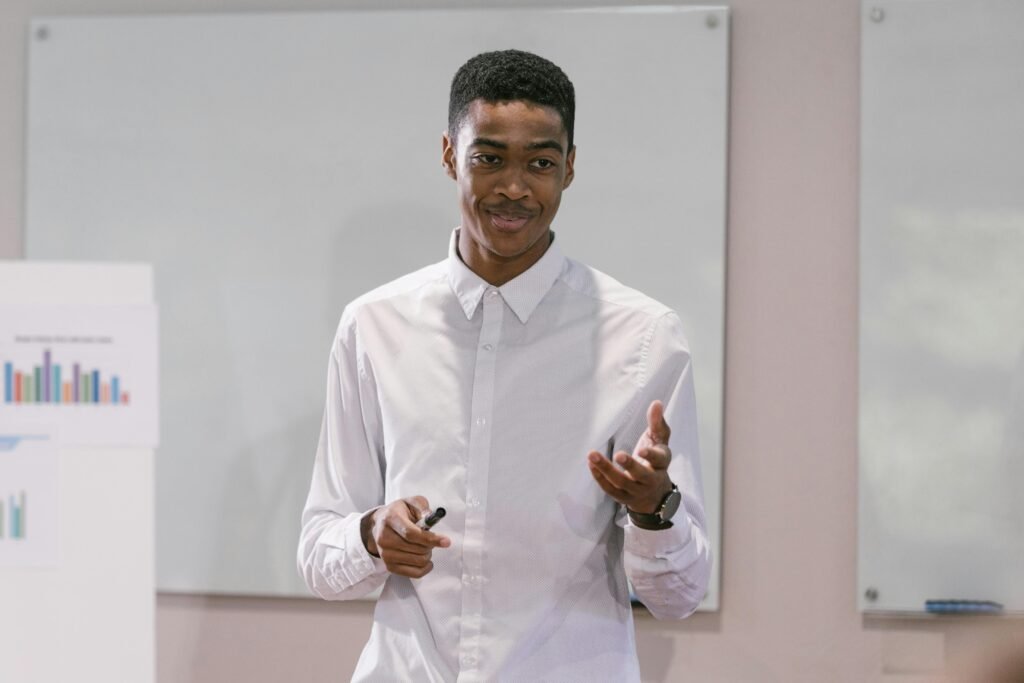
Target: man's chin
(510, 245)
(505, 244)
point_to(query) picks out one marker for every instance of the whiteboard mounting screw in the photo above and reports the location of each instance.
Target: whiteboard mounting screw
(871, 594)
(877, 14)
(42, 33)
(712, 21)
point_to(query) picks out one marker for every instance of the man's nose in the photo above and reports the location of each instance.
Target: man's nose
(513, 184)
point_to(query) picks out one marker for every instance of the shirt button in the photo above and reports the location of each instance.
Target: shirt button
(481, 422)
(487, 347)
(473, 502)
(468, 661)
(493, 293)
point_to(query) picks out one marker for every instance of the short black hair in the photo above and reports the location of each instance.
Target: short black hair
(506, 76)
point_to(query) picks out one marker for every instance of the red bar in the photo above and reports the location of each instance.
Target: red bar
(124, 398)
(17, 387)
(105, 393)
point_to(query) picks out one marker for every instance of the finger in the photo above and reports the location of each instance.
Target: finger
(656, 425)
(657, 457)
(410, 571)
(413, 535)
(619, 478)
(392, 556)
(631, 474)
(419, 506)
(638, 467)
(616, 493)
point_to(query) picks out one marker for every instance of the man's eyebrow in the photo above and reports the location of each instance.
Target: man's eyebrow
(546, 144)
(488, 142)
(541, 144)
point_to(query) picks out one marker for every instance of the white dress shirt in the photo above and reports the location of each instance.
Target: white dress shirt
(486, 400)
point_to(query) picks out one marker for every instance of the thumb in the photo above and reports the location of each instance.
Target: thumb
(419, 507)
(656, 425)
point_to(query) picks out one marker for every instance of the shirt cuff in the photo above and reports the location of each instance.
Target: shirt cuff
(359, 563)
(659, 543)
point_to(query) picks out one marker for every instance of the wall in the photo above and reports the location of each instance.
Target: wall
(790, 467)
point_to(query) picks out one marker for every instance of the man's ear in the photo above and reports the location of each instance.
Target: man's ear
(570, 170)
(448, 157)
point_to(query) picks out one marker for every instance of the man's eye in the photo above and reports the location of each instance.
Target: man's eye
(544, 163)
(486, 159)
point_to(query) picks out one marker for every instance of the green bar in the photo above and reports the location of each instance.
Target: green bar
(37, 385)
(86, 394)
(22, 516)
(29, 395)
(25, 381)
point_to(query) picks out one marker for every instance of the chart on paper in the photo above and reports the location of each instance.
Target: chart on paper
(91, 371)
(28, 500)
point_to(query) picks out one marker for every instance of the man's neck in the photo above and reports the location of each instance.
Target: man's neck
(494, 269)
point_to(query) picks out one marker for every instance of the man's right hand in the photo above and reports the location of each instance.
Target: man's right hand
(390, 533)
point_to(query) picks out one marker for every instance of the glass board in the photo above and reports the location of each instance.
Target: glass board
(275, 166)
(942, 304)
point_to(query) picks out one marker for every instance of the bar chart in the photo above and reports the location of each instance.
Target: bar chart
(12, 521)
(52, 383)
(29, 469)
(89, 372)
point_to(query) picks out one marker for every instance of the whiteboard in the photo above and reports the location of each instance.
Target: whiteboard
(942, 304)
(65, 623)
(273, 167)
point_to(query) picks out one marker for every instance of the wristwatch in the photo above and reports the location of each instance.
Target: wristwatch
(661, 517)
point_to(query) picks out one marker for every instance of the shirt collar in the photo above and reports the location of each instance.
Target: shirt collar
(522, 294)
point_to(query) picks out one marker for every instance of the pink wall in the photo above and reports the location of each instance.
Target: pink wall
(790, 499)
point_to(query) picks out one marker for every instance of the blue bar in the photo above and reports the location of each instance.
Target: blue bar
(46, 376)
(115, 390)
(8, 383)
(57, 393)
(95, 386)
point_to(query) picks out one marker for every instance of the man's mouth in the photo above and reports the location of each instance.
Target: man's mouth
(504, 220)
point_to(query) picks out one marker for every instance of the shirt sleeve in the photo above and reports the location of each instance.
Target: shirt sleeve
(670, 568)
(347, 480)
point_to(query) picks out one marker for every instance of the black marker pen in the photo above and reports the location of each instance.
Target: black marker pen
(431, 518)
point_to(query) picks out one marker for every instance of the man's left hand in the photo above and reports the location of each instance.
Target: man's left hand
(639, 481)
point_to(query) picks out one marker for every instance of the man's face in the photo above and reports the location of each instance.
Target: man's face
(511, 163)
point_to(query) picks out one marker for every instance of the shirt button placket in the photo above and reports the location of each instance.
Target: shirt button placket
(482, 407)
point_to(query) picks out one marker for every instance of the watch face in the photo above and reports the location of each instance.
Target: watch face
(670, 505)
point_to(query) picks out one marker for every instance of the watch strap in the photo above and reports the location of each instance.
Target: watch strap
(655, 520)
(650, 521)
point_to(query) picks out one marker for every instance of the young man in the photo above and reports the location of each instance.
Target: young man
(548, 408)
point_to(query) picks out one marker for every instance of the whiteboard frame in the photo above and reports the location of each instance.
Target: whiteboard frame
(940, 158)
(46, 164)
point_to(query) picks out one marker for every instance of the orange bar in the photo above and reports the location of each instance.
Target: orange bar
(67, 392)
(17, 387)
(104, 393)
